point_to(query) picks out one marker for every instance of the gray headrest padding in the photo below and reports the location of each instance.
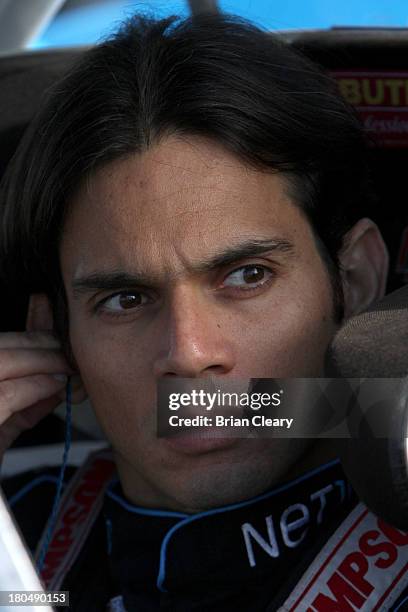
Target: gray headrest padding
(375, 342)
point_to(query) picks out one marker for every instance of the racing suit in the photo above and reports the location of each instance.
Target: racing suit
(246, 556)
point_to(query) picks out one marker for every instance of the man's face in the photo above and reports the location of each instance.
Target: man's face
(182, 261)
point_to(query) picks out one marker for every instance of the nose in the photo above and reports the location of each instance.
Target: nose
(195, 343)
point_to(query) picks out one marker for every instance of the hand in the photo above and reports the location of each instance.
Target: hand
(33, 375)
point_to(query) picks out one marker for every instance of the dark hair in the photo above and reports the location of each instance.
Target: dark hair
(216, 76)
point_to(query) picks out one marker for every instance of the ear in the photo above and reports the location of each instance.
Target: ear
(364, 266)
(39, 315)
(40, 318)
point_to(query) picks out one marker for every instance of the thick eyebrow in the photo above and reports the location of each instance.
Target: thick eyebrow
(249, 248)
(116, 279)
(110, 281)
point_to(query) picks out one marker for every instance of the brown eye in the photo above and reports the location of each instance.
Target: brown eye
(253, 274)
(129, 300)
(124, 301)
(248, 276)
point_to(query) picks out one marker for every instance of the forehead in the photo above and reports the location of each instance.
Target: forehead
(176, 201)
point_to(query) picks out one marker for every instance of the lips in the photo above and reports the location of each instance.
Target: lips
(201, 440)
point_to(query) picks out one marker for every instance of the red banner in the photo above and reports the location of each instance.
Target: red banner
(381, 99)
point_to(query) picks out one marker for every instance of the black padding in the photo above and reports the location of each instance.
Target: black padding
(24, 80)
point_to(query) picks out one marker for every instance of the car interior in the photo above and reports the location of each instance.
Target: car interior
(371, 68)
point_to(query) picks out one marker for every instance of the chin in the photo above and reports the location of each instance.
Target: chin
(233, 478)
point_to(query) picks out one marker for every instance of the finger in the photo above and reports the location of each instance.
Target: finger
(19, 393)
(16, 363)
(29, 340)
